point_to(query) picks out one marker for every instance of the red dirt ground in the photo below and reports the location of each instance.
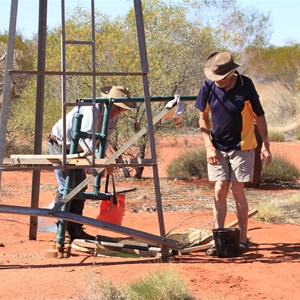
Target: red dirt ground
(270, 270)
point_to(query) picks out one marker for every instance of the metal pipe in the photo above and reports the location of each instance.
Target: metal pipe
(138, 99)
(74, 73)
(70, 175)
(102, 144)
(63, 78)
(44, 212)
(94, 82)
(95, 195)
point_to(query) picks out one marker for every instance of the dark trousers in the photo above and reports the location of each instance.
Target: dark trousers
(76, 205)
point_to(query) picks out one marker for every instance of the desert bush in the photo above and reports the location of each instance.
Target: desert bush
(296, 133)
(160, 285)
(163, 285)
(280, 171)
(191, 164)
(16, 145)
(269, 212)
(284, 105)
(100, 289)
(280, 209)
(276, 136)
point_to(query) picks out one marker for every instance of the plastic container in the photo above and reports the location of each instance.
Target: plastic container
(227, 241)
(47, 224)
(110, 212)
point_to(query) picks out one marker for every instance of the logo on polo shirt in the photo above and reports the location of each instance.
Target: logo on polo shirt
(240, 98)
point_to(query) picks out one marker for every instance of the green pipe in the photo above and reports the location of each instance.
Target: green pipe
(62, 224)
(137, 99)
(102, 144)
(94, 196)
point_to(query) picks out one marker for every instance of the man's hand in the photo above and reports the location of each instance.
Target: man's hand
(265, 153)
(211, 155)
(110, 171)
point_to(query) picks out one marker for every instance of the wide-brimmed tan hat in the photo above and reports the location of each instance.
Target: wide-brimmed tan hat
(218, 65)
(118, 91)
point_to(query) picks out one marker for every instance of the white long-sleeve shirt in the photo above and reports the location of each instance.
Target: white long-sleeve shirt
(86, 125)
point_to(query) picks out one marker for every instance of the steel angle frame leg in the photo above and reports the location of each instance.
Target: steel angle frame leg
(7, 80)
(145, 70)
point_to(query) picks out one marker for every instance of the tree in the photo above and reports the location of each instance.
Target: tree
(276, 63)
(179, 35)
(23, 59)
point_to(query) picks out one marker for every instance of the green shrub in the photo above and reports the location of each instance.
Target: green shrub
(270, 212)
(160, 285)
(296, 133)
(280, 209)
(192, 164)
(276, 136)
(99, 289)
(280, 171)
(16, 145)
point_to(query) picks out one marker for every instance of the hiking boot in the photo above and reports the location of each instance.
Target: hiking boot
(76, 232)
(68, 239)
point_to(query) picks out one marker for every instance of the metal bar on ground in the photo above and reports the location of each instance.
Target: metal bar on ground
(44, 212)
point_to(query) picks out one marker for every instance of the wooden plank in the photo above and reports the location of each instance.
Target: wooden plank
(82, 161)
(105, 251)
(47, 156)
(78, 161)
(39, 159)
(190, 237)
(137, 248)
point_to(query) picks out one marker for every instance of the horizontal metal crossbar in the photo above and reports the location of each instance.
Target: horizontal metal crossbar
(138, 99)
(70, 73)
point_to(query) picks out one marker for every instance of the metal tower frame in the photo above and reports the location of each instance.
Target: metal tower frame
(34, 211)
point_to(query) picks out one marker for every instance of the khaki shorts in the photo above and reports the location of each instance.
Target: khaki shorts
(235, 165)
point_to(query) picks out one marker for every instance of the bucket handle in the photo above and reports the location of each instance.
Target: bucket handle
(115, 200)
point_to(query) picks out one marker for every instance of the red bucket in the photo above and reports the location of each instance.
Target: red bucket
(110, 212)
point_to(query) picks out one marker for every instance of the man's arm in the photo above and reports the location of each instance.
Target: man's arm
(211, 153)
(263, 131)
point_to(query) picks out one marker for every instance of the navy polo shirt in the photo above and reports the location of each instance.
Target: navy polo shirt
(232, 113)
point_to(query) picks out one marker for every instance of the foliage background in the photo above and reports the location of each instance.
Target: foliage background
(179, 36)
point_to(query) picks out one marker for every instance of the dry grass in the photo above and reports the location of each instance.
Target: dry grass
(280, 103)
(163, 285)
(280, 209)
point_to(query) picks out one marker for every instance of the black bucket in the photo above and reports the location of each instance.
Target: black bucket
(227, 241)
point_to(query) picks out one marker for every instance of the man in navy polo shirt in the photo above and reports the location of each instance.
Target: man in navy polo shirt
(230, 142)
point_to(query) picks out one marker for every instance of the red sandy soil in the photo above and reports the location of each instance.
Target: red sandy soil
(270, 270)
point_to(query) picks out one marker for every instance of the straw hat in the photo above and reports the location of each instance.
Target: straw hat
(218, 65)
(117, 91)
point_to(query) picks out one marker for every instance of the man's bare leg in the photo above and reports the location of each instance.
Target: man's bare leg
(220, 203)
(242, 208)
